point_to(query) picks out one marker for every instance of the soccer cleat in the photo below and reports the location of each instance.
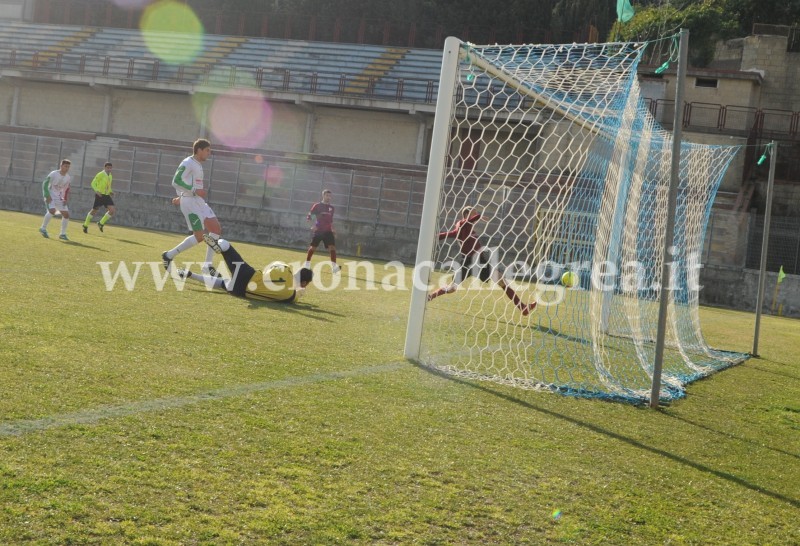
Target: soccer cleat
(85, 229)
(336, 267)
(527, 308)
(44, 233)
(184, 273)
(211, 271)
(165, 260)
(213, 243)
(63, 237)
(100, 226)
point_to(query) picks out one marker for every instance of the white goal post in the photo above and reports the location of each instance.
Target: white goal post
(548, 155)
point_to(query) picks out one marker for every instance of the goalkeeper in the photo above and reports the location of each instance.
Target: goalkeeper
(476, 261)
(276, 283)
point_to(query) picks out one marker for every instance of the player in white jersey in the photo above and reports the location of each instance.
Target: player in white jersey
(55, 190)
(188, 183)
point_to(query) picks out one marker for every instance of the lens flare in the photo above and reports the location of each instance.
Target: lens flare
(556, 515)
(172, 32)
(240, 118)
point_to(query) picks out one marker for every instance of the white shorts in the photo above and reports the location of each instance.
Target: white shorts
(196, 210)
(56, 203)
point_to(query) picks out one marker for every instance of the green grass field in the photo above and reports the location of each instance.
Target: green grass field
(187, 417)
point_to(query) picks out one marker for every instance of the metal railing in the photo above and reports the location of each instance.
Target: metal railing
(364, 193)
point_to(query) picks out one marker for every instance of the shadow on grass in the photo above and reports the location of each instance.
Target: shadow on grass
(732, 436)
(73, 242)
(131, 242)
(617, 436)
(543, 329)
(773, 372)
(367, 281)
(309, 309)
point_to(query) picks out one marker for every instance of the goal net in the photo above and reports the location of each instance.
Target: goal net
(555, 150)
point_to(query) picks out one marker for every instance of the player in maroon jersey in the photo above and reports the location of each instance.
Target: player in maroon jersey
(476, 261)
(323, 229)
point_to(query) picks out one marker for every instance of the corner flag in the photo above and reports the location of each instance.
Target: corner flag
(624, 11)
(781, 275)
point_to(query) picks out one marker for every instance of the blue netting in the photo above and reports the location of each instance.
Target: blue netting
(555, 142)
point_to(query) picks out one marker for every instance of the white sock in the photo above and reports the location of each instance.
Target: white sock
(307, 265)
(64, 224)
(223, 244)
(186, 244)
(46, 220)
(209, 257)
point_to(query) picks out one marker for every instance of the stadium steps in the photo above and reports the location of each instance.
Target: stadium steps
(212, 55)
(745, 197)
(298, 66)
(726, 200)
(51, 52)
(378, 68)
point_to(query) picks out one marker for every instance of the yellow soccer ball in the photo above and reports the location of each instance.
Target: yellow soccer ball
(569, 279)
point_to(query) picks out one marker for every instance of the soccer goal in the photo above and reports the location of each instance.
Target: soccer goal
(556, 150)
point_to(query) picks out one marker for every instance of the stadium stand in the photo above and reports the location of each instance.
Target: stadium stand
(286, 65)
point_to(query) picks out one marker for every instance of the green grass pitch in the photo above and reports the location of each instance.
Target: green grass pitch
(186, 417)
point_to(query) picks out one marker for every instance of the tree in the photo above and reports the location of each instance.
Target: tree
(704, 20)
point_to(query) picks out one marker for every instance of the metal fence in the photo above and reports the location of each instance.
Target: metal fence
(734, 239)
(371, 194)
(783, 249)
(364, 193)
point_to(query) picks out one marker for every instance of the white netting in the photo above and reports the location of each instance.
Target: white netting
(553, 145)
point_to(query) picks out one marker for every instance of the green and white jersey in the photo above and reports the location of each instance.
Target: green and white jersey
(56, 185)
(188, 177)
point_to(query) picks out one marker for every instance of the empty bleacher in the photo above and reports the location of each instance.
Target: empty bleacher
(296, 66)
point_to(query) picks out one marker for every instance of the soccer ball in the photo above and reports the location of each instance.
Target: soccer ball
(569, 279)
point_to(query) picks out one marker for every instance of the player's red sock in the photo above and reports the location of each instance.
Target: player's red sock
(333, 256)
(513, 296)
(526, 308)
(439, 292)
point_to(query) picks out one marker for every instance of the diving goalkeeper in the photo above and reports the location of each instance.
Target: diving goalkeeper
(276, 283)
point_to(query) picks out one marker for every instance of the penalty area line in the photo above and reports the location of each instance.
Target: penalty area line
(90, 417)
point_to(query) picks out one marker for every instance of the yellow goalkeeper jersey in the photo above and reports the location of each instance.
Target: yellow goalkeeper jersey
(276, 283)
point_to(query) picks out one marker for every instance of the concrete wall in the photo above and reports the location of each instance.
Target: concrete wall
(362, 134)
(726, 238)
(732, 181)
(781, 70)
(738, 288)
(149, 114)
(392, 137)
(62, 107)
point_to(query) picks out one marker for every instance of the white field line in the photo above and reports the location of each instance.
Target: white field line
(90, 417)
